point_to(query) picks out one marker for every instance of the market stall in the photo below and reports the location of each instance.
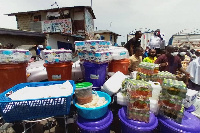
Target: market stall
(147, 100)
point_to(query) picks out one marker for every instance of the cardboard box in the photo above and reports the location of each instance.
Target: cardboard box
(190, 99)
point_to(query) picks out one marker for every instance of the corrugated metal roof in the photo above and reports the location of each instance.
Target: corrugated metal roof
(105, 31)
(4, 31)
(188, 32)
(54, 9)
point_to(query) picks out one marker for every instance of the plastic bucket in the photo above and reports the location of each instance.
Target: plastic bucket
(95, 74)
(131, 126)
(119, 65)
(83, 92)
(12, 74)
(190, 109)
(190, 124)
(101, 125)
(96, 112)
(59, 71)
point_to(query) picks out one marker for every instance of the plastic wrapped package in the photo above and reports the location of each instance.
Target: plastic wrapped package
(138, 88)
(174, 87)
(8, 56)
(56, 55)
(171, 99)
(94, 45)
(138, 93)
(148, 68)
(80, 45)
(174, 115)
(119, 53)
(138, 109)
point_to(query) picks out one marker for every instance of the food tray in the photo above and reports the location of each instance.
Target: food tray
(17, 110)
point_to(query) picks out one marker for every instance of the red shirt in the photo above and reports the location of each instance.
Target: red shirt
(174, 63)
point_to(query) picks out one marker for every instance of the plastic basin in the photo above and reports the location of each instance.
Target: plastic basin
(97, 112)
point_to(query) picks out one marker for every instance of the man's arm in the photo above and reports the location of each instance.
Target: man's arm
(184, 71)
(181, 69)
(131, 49)
(130, 66)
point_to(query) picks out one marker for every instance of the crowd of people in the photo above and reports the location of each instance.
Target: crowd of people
(176, 60)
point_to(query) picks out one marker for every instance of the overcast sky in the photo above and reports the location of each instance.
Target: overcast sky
(119, 16)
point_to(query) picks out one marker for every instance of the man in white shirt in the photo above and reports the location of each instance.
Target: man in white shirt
(157, 42)
(194, 70)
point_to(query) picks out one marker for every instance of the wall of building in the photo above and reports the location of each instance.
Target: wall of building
(52, 40)
(18, 40)
(23, 22)
(107, 38)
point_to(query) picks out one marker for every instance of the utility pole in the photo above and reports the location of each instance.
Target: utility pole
(91, 3)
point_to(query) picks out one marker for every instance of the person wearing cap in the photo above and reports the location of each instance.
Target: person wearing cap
(188, 53)
(157, 42)
(38, 49)
(133, 43)
(182, 52)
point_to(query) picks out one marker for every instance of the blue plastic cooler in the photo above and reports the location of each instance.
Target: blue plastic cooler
(95, 73)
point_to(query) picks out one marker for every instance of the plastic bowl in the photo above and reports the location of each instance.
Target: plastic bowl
(97, 112)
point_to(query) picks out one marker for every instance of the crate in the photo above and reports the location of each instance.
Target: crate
(17, 110)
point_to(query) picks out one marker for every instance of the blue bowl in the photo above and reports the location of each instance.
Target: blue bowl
(97, 112)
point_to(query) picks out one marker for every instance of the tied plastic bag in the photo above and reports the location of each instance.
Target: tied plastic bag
(56, 90)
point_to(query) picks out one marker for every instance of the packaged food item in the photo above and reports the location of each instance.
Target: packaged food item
(138, 109)
(94, 45)
(171, 99)
(119, 53)
(174, 87)
(80, 45)
(95, 51)
(56, 55)
(8, 56)
(148, 68)
(138, 93)
(83, 92)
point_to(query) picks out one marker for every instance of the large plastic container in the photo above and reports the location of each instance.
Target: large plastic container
(59, 71)
(12, 74)
(96, 74)
(119, 65)
(83, 92)
(131, 126)
(96, 112)
(101, 125)
(114, 83)
(190, 124)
